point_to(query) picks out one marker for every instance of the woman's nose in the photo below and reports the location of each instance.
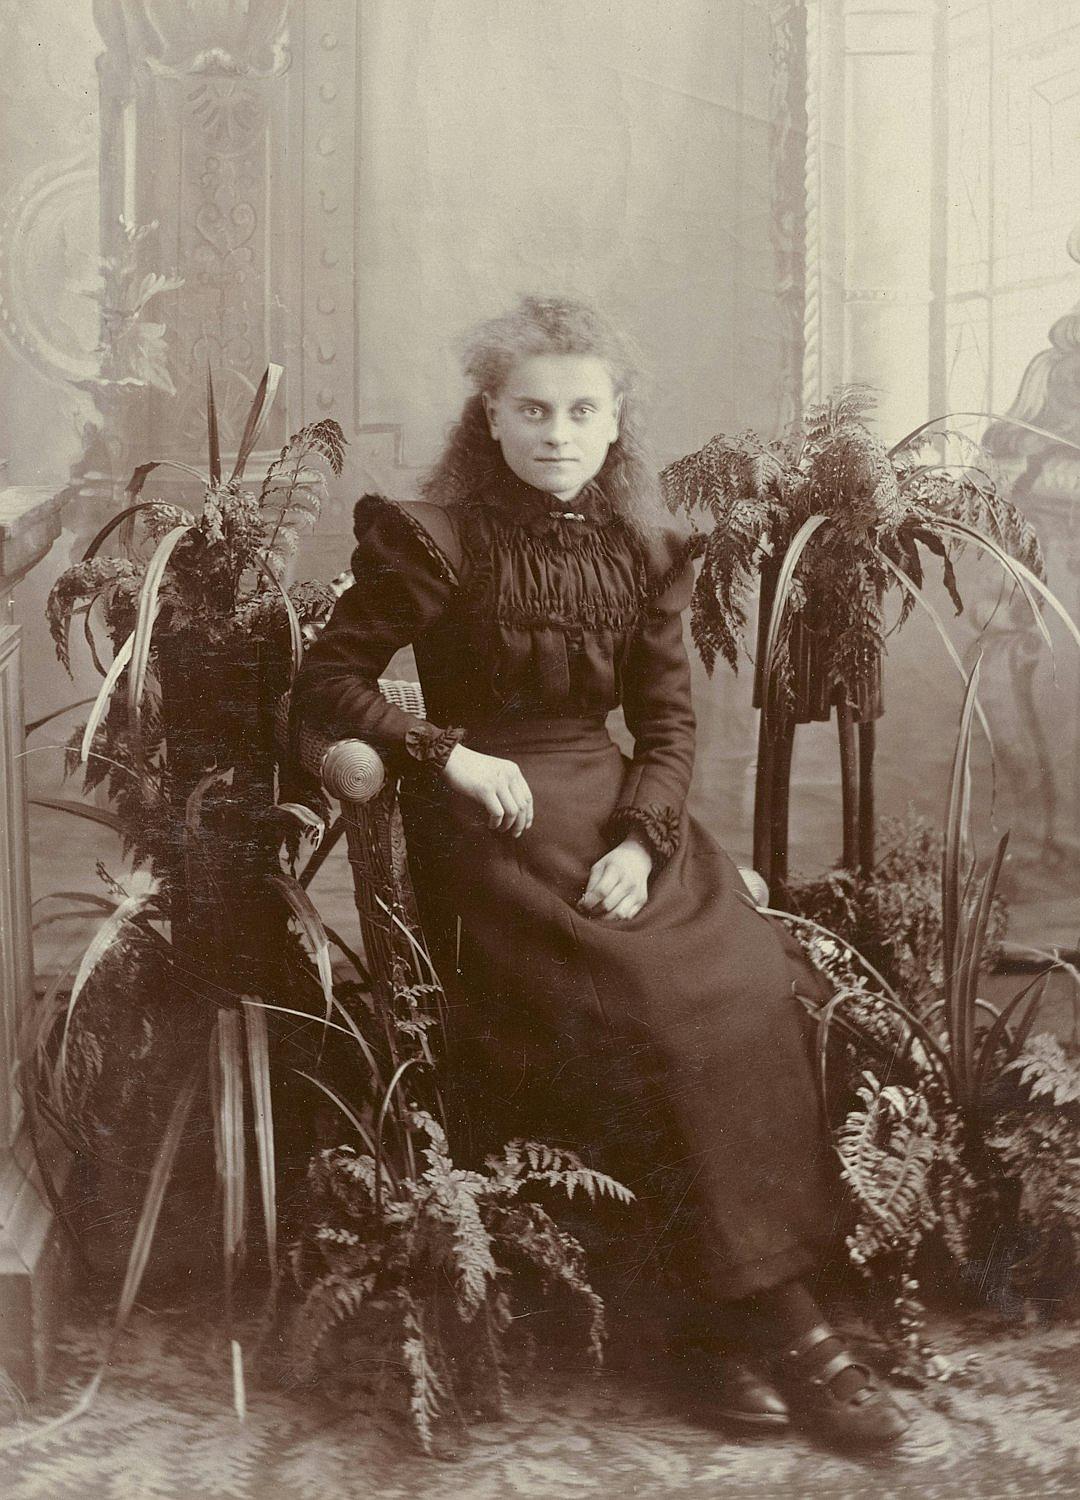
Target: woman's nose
(558, 431)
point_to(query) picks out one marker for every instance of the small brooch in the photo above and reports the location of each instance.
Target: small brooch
(568, 515)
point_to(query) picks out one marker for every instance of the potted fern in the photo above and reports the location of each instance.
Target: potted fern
(957, 1126)
(829, 521)
(420, 1266)
(172, 1011)
(167, 1012)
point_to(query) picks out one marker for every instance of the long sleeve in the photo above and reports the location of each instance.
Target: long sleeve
(403, 585)
(659, 714)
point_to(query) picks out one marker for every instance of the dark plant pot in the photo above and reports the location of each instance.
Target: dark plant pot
(815, 695)
(218, 705)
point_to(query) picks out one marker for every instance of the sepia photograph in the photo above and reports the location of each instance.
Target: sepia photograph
(539, 749)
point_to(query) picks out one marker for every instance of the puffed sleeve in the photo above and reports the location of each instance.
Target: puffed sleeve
(658, 708)
(403, 584)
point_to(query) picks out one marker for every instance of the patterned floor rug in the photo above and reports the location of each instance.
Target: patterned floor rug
(163, 1428)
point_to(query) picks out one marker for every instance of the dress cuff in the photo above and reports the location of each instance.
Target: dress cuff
(429, 744)
(656, 825)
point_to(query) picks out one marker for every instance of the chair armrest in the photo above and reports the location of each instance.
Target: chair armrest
(350, 770)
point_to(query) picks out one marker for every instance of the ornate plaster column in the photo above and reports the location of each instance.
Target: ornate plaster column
(194, 104)
(888, 60)
(30, 1252)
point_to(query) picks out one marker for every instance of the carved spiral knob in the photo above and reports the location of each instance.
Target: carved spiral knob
(352, 771)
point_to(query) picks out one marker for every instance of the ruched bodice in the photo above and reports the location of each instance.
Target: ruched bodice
(519, 608)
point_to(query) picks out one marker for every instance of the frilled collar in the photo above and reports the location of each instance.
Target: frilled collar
(538, 512)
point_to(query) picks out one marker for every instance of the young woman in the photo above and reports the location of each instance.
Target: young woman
(618, 990)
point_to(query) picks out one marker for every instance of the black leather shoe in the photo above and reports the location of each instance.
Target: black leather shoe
(866, 1418)
(745, 1398)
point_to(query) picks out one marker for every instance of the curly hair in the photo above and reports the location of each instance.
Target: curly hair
(472, 458)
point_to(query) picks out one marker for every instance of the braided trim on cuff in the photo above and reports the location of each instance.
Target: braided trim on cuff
(429, 744)
(657, 825)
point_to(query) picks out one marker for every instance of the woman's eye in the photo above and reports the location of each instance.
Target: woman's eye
(584, 411)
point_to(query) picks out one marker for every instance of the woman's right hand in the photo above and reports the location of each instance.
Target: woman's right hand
(497, 786)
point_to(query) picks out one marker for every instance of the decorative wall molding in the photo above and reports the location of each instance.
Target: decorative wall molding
(194, 101)
(32, 1253)
(792, 154)
(199, 38)
(16, 952)
(46, 271)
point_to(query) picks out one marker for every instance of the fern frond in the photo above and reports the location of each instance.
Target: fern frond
(334, 1298)
(723, 474)
(427, 1390)
(1047, 1071)
(86, 580)
(887, 1151)
(840, 413)
(532, 1161)
(529, 1231)
(991, 511)
(719, 604)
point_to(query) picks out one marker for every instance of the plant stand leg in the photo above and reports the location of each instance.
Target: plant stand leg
(867, 816)
(849, 785)
(763, 796)
(781, 798)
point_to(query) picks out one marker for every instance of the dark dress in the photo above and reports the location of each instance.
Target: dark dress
(673, 1045)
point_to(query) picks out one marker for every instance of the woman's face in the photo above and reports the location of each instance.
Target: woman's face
(555, 418)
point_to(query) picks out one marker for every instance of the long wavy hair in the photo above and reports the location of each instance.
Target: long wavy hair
(472, 460)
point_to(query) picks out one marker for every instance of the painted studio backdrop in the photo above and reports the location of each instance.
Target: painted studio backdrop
(773, 198)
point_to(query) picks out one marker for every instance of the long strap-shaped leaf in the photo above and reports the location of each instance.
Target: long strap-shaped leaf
(142, 473)
(956, 821)
(86, 810)
(227, 1080)
(137, 1258)
(106, 935)
(1034, 993)
(213, 438)
(296, 639)
(990, 416)
(57, 713)
(144, 627)
(1024, 575)
(258, 1056)
(126, 514)
(920, 597)
(105, 692)
(964, 990)
(387, 1100)
(353, 1118)
(311, 926)
(256, 417)
(888, 996)
(780, 600)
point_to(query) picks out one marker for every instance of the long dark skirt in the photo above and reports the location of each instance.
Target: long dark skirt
(671, 1048)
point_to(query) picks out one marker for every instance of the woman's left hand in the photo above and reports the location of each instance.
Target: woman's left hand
(618, 883)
